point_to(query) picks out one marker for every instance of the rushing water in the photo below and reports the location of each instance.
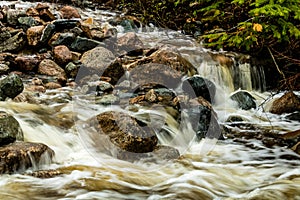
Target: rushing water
(206, 170)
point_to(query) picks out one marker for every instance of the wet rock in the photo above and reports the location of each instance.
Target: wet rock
(296, 148)
(47, 33)
(288, 103)
(244, 100)
(19, 156)
(13, 41)
(50, 68)
(32, 12)
(69, 12)
(26, 96)
(62, 55)
(108, 99)
(197, 86)
(294, 116)
(27, 22)
(71, 69)
(52, 85)
(82, 44)
(50, 173)
(104, 87)
(160, 153)
(10, 129)
(235, 118)
(4, 69)
(62, 24)
(62, 39)
(34, 35)
(130, 42)
(203, 119)
(10, 86)
(27, 63)
(127, 132)
(101, 61)
(168, 56)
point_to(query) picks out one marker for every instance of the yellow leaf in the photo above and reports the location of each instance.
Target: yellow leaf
(257, 27)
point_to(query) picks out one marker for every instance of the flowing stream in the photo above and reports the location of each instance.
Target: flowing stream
(208, 169)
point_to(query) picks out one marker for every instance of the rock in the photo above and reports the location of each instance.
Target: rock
(63, 24)
(27, 63)
(47, 33)
(71, 69)
(50, 68)
(203, 119)
(34, 35)
(126, 132)
(19, 156)
(104, 87)
(234, 119)
(294, 116)
(108, 99)
(154, 73)
(32, 12)
(244, 100)
(50, 173)
(13, 15)
(102, 62)
(160, 153)
(62, 39)
(10, 86)
(69, 12)
(82, 44)
(92, 29)
(46, 15)
(10, 129)
(14, 42)
(296, 148)
(168, 56)
(62, 55)
(52, 85)
(4, 69)
(130, 42)
(197, 86)
(288, 103)
(27, 22)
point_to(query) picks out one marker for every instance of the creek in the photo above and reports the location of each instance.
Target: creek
(206, 169)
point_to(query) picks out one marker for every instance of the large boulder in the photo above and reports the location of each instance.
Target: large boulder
(288, 103)
(126, 132)
(196, 86)
(244, 100)
(10, 86)
(10, 129)
(19, 156)
(101, 61)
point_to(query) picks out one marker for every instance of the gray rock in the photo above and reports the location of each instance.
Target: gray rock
(62, 39)
(13, 16)
(244, 99)
(47, 33)
(10, 86)
(14, 43)
(82, 44)
(10, 129)
(107, 100)
(62, 24)
(71, 70)
(27, 22)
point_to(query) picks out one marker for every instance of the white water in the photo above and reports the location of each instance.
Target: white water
(206, 170)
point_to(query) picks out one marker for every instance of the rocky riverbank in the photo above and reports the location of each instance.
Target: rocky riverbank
(46, 47)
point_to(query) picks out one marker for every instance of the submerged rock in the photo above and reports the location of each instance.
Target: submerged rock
(130, 43)
(126, 132)
(244, 100)
(19, 156)
(10, 129)
(288, 103)
(10, 86)
(197, 86)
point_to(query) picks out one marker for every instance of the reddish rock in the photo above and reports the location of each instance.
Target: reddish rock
(47, 15)
(32, 12)
(50, 68)
(92, 29)
(288, 103)
(34, 35)
(22, 155)
(69, 12)
(62, 54)
(27, 63)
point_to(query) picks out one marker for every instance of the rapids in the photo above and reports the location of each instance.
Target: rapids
(208, 169)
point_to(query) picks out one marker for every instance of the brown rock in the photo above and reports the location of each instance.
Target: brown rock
(41, 6)
(288, 103)
(27, 63)
(32, 12)
(34, 35)
(130, 42)
(92, 29)
(50, 68)
(50, 173)
(69, 12)
(127, 132)
(62, 54)
(47, 15)
(22, 155)
(52, 85)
